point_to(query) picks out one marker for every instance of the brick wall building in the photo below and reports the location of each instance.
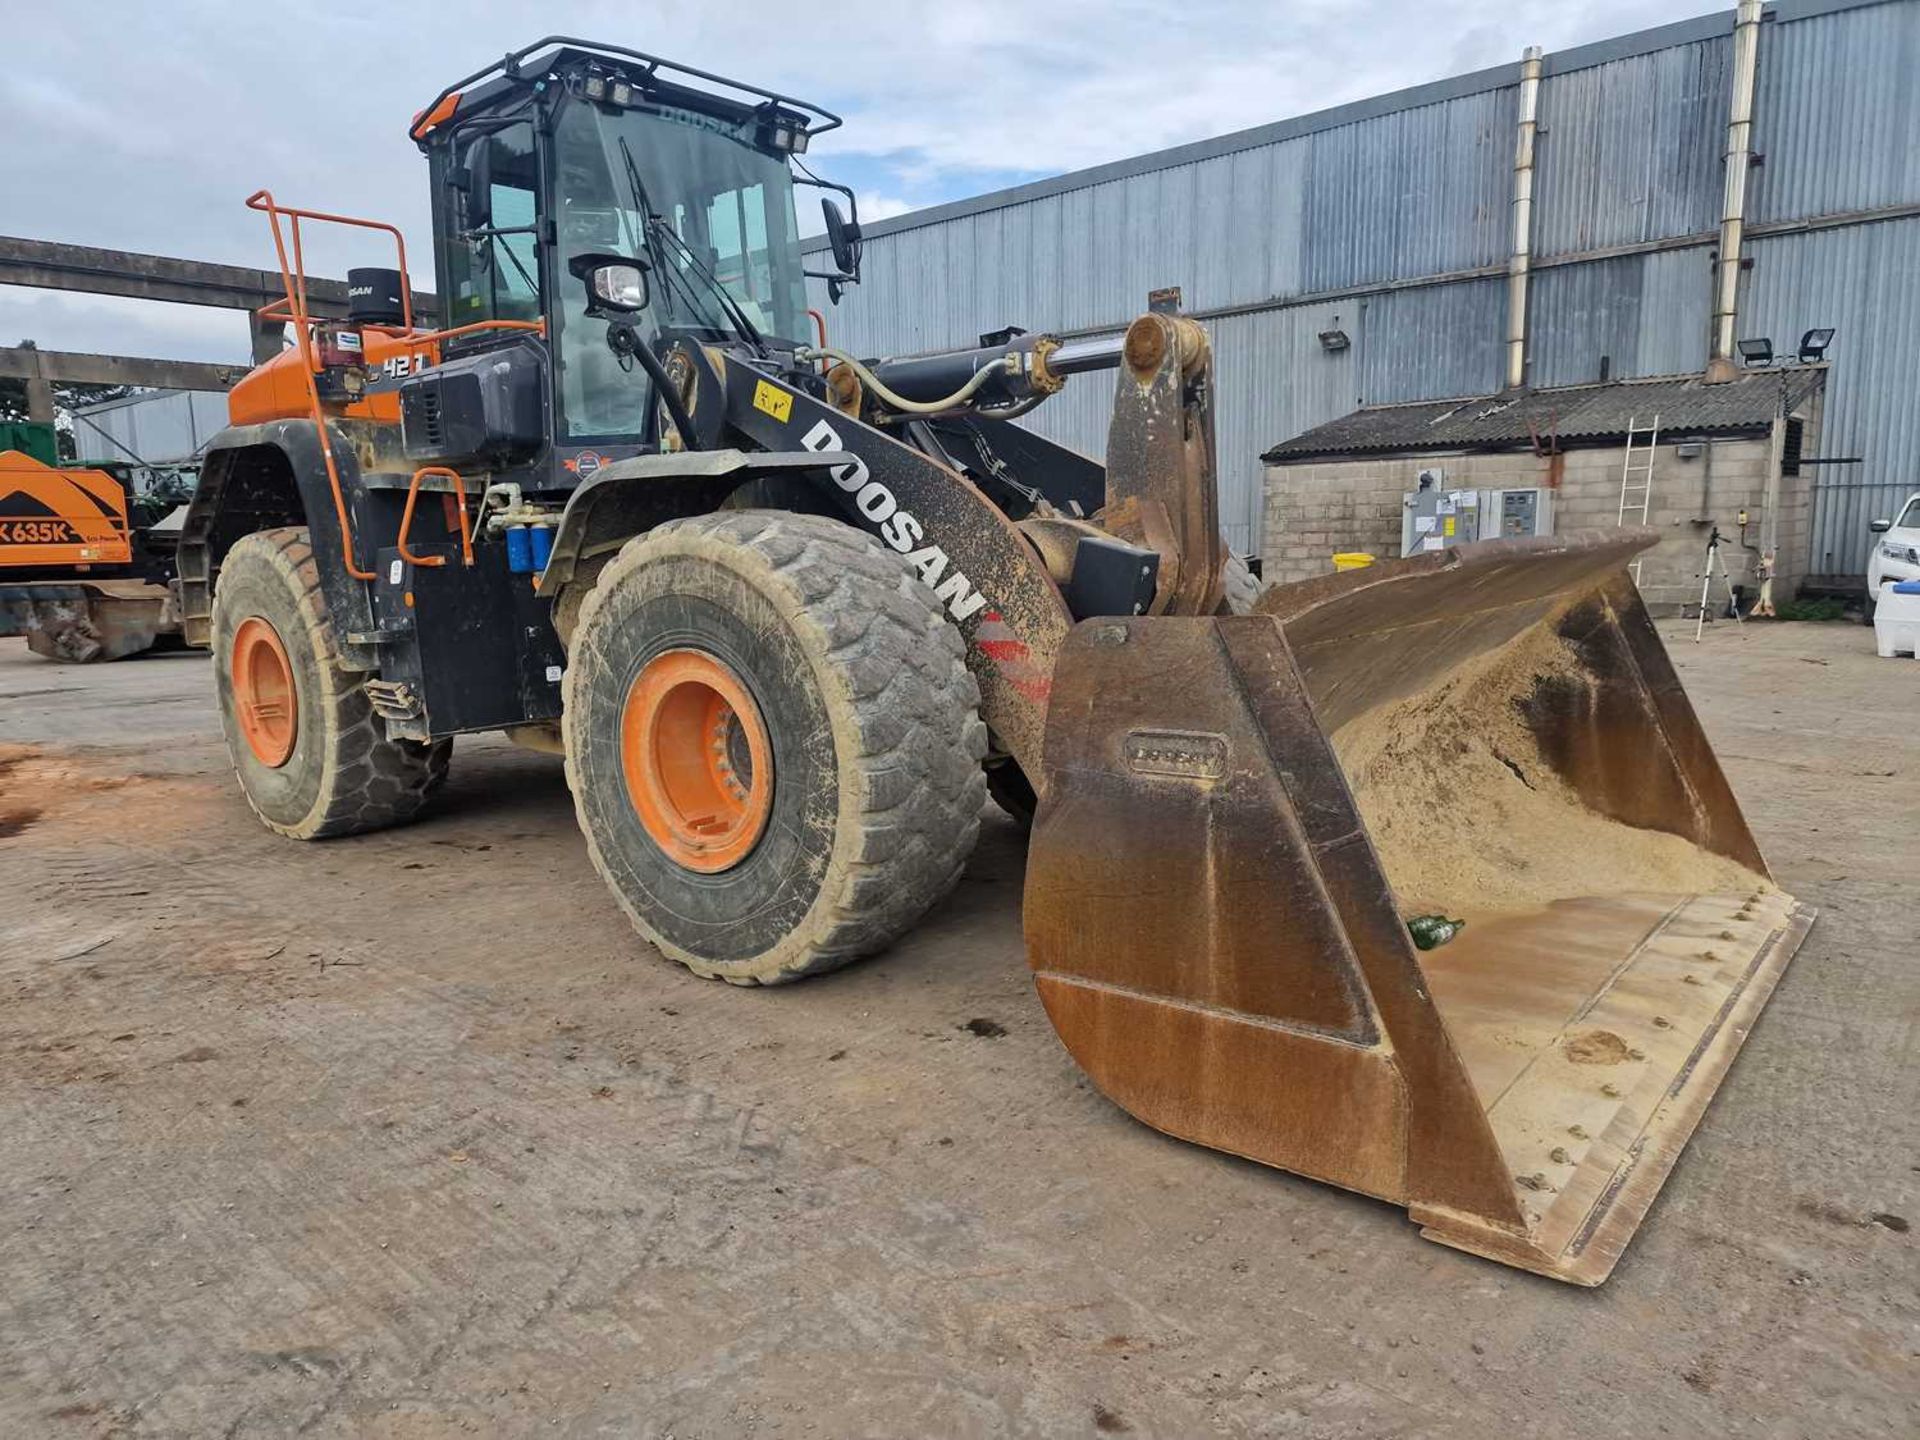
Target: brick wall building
(1722, 449)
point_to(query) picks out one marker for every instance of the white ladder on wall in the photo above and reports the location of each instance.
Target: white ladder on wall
(1636, 476)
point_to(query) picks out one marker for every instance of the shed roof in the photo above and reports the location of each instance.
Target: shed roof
(1583, 414)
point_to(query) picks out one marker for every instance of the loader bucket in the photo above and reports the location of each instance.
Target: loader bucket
(1241, 813)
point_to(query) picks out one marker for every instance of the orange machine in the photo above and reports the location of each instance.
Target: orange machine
(75, 579)
(49, 517)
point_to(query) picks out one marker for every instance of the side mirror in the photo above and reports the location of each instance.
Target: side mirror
(475, 181)
(616, 284)
(1880, 527)
(843, 237)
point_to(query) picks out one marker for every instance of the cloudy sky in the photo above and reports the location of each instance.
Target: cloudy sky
(142, 126)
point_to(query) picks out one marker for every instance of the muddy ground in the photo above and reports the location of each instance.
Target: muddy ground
(407, 1136)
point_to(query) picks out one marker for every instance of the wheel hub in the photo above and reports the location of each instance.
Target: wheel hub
(697, 760)
(265, 703)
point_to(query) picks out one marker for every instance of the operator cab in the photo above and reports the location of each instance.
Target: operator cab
(591, 190)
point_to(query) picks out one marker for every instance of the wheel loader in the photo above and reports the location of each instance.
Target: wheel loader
(790, 614)
(85, 564)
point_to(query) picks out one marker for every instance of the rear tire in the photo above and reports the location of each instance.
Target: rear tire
(312, 757)
(857, 794)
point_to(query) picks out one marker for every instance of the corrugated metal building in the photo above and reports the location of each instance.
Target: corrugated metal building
(1389, 220)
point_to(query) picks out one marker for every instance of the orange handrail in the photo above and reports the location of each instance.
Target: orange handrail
(434, 337)
(294, 277)
(406, 518)
(293, 310)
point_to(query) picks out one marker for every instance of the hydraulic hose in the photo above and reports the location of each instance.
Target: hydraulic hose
(1010, 365)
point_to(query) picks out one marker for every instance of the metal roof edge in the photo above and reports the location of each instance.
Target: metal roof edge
(1432, 92)
(120, 401)
(1805, 379)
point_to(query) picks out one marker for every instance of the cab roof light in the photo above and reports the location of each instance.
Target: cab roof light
(783, 130)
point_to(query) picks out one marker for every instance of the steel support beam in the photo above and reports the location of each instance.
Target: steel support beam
(52, 265)
(41, 368)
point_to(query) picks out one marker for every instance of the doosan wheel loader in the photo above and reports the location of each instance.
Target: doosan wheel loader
(789, 614)
(86, 564)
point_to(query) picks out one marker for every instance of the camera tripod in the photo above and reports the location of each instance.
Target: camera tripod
(1706, 584)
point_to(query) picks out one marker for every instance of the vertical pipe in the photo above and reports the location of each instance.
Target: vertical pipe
(1519, 265)
(1738, 160)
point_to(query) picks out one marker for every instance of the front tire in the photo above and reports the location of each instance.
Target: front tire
(312, 757)
(773, 743)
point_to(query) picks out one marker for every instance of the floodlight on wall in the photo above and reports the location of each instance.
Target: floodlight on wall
(1813, 345)
(1755, 353)
(1331, 340)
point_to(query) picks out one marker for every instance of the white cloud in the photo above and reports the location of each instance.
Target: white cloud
(874, 206)
(142, 127)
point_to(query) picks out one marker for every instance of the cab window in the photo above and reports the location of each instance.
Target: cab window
(493, 267)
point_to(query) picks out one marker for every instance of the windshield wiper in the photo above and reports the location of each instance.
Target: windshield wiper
(748, 331)
(637, 192)
(656, 227)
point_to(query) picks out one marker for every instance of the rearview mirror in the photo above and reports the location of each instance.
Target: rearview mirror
(616, 284)
(1880, 527)
(843, 237)
(475, 180)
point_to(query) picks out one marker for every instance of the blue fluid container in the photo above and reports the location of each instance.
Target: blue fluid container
(519, 550)
(542, 536)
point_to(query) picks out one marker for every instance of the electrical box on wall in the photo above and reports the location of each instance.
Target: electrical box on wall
(1434, 518)
(1516, 512)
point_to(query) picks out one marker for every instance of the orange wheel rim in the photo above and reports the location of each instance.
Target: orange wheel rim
(264, 701)
(697, 760)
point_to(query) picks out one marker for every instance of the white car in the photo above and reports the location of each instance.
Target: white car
(1896, 554)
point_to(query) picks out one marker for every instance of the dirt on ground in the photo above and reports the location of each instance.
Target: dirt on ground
(406, 1135)
(1468, 815)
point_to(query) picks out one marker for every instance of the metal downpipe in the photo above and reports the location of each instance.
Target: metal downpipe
(1738, 161)
(1520, 263)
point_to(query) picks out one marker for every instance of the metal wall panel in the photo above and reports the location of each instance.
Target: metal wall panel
(1630, 150)
(165, 427)
(1413, 193)
(1836, 115)
(1429, 343)
(1399, 196)
(1864, 281)
(1646, 314)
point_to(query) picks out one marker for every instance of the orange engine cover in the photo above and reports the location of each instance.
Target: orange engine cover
(276, 389)
(55, 517)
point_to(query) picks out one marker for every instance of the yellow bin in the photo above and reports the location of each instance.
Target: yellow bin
(1352, 560)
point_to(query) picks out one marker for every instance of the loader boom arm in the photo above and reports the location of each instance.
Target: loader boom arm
(1161, 496)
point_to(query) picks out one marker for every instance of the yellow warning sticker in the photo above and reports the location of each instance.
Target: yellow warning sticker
(773, 400)
(1449, 529)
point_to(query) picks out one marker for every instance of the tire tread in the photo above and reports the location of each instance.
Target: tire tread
(915, 709)
(377, 782)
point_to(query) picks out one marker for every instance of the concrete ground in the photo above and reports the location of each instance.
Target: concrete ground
(407, 1135)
